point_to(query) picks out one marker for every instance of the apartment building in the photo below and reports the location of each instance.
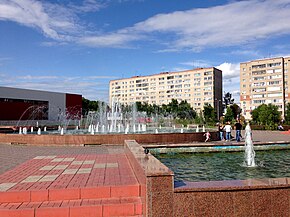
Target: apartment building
(197, 87)
(264, 81)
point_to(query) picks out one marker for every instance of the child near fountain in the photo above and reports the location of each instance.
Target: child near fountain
(207, 136)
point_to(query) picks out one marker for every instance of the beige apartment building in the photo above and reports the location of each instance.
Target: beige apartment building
(197, 87)
(264, 81)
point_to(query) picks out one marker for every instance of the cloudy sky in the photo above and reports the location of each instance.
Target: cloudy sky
(78, 46)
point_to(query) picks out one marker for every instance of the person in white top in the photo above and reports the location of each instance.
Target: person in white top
(228, 129)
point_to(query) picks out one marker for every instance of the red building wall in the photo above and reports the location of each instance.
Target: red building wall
(24, 110)
(73, 106)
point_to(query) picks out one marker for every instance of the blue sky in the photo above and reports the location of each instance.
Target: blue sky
(78, 46)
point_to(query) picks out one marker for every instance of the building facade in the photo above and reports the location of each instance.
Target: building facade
(197, 87)
(22, 104)
(264, 81)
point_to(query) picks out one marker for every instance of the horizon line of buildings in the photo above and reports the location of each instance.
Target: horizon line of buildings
(261, 81)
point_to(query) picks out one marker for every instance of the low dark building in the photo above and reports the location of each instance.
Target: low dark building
(23, 104)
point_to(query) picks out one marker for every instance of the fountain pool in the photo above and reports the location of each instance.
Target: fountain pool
(226, 165)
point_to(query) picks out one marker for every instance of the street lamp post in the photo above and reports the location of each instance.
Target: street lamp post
(218, 108)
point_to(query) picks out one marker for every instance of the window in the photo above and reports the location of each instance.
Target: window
(274, 76)
(274, 94)
(258, 90)
(258, 78)
(274, 64)
(261, 72)
(273, 82)
(207, 83)
(259, 101)
(208, 73)
(259, 66)
(259, 84)
(258, 95)
(208, 78)
(207, 88)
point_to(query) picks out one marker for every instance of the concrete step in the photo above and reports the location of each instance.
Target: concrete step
(126, 206)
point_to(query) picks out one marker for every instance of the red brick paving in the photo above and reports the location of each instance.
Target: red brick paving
(68, 181)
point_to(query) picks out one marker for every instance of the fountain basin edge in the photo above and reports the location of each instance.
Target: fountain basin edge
(164, 138)
(163, 197)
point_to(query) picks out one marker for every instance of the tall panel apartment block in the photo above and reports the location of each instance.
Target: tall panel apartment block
(264, 81)
(197, 87)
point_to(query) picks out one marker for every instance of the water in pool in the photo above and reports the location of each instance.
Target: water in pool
(226, 165)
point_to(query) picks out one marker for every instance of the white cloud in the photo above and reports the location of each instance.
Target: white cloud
(87, 6)
(235, 23)
(3, 60)
(110, 40)
(230, 70)
(231, 79)
(247, 53)
(197, 64)
(53, 20)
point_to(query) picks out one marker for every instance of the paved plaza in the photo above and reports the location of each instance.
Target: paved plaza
(67, 181)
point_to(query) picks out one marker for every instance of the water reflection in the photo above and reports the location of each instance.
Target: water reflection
(226, 165)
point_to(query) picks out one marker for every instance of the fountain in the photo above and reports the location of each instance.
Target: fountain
(24, 130)
(119, 119)
(249, 148)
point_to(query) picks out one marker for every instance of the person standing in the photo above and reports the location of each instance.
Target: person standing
(228, 129)
(221, 131)
(238, 128)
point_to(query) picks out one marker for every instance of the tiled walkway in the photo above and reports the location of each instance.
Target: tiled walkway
(99, 184)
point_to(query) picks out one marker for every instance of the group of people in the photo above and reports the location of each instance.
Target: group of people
(227, 129)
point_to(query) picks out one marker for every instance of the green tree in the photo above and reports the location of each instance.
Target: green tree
(209, 113)
(229, 116)
(236, 110)
(267, 115)
(185, 111)
(88, 105)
